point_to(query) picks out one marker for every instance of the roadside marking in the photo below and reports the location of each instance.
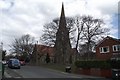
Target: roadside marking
(17, 73)
(7, 75)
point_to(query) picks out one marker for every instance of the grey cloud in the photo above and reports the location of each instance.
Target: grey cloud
(28, 16)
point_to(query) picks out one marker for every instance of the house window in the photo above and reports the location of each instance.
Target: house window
(116, 47)
(104, 49)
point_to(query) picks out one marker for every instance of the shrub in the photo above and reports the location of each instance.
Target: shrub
(115, 64)
(92, 64)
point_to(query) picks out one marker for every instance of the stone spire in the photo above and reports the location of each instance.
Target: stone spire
(62, 19)
(62, 44)
(62, 24)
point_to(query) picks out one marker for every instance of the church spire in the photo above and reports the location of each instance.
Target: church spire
(62, 18)
(62, 11)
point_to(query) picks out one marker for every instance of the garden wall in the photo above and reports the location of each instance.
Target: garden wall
(95, 72)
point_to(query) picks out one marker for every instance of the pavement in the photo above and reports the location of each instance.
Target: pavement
(7, 75)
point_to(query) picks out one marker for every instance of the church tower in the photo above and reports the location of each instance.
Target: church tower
(62, 44)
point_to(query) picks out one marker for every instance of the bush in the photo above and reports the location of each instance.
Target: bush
(93, 64)
(82, 64)
(115, 64)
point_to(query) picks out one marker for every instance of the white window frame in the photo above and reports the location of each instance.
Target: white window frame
(117, 48)
(102, 49)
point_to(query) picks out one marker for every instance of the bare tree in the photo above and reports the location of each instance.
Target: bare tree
(92, 29)
(50, 29)
(79, 30)
(3, 54)
(79, 25)
(88, 30)
(23, 45)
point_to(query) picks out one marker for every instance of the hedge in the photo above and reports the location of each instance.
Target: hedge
(115, 64)
(98, 64)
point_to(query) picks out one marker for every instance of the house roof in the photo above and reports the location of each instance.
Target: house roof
(108, 37)
(42, 49)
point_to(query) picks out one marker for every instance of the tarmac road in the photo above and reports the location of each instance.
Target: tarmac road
(40, 72)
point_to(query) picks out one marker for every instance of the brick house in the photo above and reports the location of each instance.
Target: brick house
(40, 52)
(108, 48)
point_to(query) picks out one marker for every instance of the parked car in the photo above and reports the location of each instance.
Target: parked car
(22, 63)
(14, 63)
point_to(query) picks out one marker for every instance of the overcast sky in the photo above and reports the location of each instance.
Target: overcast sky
(19, 17)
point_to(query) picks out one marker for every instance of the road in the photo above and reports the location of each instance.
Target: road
(40, 72)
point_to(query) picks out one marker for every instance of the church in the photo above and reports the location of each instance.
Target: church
(62, 52)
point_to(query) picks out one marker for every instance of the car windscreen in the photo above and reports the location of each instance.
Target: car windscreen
(15, 61)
